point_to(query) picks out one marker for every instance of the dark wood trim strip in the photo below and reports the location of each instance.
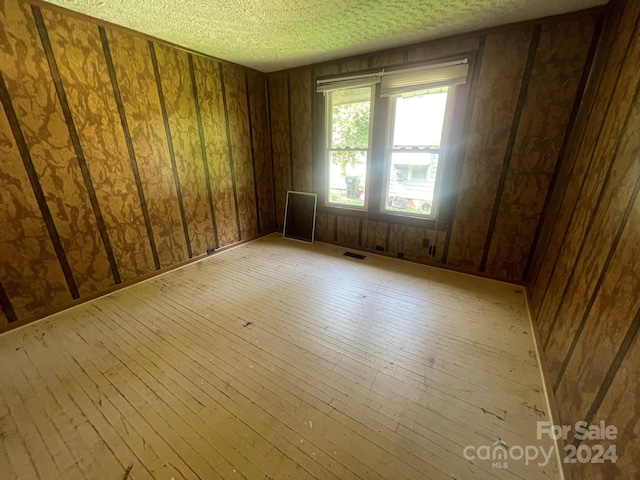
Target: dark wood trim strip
(605, 267)
(253, 151)
(273, 170)
(405, 55)
(387, 237)
(598, 202)
(127, 136)
(586, 71)
(203, 149)
(473, 88)
(230, 149)
(172, 153)
(290, 132)
(360, 232)
(335, 228)
(625, 346)
(313, 130)
(524, 87)
(75, 140)
(5, 305)
(37, 189)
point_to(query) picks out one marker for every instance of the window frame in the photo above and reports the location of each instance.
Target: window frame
(328, 149)
(450, 184)
(442, 157)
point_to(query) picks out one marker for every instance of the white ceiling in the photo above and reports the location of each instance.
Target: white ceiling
(277, 34)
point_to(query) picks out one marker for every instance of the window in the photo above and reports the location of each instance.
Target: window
(349, 127)
(414, 148)
(396, 164)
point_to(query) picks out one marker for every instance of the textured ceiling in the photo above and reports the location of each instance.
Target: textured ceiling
(278, 34)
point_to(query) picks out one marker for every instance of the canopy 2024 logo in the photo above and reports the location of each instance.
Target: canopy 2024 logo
(499, 454)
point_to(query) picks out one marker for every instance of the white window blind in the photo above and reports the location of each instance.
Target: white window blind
(413, 79)
(398, 82)
(341, 83)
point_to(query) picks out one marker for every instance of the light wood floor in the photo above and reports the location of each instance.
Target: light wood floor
(276, 359)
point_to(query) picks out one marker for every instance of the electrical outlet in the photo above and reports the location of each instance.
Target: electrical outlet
(401, 255)
(210, 251)
(425, 243)
(380, 248)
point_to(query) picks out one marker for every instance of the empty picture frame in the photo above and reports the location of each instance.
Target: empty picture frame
(300, 216)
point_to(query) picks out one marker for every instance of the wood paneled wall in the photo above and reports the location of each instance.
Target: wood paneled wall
(119, 157)
(584, 282)
(523, 97)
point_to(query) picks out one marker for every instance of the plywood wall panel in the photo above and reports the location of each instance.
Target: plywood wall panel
(261, 149)
(238, 114)
(280, 141)
(355, 65)
(301, 141)
(177, 89)
(325, 227)
(348, 231)
(408, 240)
(207, 74)
(374, 234)
(144, 116)
(501, 73)
(441, 49)
(388, 59)
(31, 274)
(555, 76)
(327, 69)
(83, 69)
(26, 72)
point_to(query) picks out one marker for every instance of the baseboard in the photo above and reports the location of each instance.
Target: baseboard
(548, 389)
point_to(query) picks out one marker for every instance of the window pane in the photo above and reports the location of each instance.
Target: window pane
(412, 182)
(419, 119)
(347, 177)
(350, 118)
